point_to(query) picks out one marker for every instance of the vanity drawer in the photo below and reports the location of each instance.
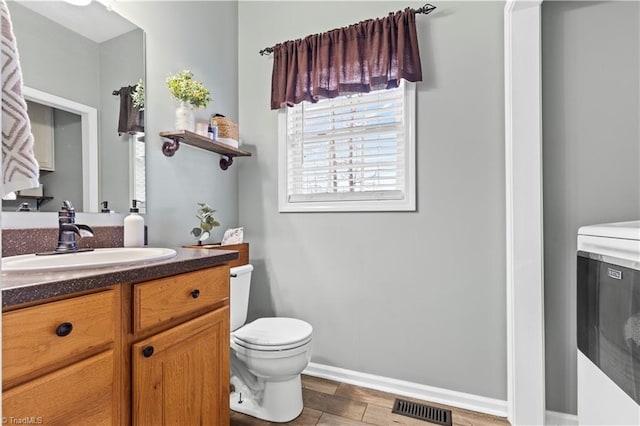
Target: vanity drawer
(163, 300)
(45, 335)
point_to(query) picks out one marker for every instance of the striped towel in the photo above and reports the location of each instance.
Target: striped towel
(19, 165)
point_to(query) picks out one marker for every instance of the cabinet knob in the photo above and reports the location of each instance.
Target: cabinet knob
(195, 293)
(147, 351)
(64, 329)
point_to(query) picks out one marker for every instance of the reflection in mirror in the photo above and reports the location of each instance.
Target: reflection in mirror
(82, 55)
(66, 131)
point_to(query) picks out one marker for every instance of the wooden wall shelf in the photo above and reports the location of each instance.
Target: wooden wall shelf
(169, 148)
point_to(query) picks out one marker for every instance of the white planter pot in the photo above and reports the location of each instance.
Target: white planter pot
(185, 119)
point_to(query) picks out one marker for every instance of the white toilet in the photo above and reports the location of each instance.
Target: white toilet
(267, 357)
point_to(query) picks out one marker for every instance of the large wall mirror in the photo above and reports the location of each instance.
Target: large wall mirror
(75, 61)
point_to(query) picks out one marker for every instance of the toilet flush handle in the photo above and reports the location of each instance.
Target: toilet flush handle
(234, 275)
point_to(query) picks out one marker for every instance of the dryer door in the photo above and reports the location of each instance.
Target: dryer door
(608, 308)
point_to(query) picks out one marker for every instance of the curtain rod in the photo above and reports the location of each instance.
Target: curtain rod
(426, 9)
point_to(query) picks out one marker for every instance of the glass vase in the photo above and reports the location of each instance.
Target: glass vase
(185, 118)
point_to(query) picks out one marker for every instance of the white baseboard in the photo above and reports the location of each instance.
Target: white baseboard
(553, 418)
(481, 404)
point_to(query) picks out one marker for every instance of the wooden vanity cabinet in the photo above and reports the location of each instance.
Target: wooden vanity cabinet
(148, 353)
(58, 361)
(180, 349)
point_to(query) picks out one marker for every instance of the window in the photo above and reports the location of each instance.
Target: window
(137, 181)
(350, 153)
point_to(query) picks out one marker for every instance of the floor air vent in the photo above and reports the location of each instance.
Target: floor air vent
(422, 412)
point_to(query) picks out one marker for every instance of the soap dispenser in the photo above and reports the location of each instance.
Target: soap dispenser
(134, 227)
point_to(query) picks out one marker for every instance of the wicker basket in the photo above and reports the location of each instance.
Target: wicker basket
(226, 128)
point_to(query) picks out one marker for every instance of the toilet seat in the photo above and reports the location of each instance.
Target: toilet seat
(273, 334)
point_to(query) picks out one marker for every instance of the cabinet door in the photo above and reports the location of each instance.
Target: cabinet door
(80, 394)
(41, 117)
(181, 376)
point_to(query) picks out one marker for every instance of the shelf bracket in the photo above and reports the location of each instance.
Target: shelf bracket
(225, 162)
(41, 200)
(170, 147)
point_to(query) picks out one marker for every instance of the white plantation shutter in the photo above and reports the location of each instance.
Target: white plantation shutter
(356, 148)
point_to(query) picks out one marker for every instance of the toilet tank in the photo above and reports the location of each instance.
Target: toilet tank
(239, 289)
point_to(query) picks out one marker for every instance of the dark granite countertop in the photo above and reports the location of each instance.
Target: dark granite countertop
(21, 287)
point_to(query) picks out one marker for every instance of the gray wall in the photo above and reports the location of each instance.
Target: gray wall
(590, 73)
(414, 296)
(121, 64)
(202, 37)
(55, 59)
(66, 182)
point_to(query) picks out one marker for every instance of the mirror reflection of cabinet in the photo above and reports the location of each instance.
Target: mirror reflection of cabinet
(42, 124)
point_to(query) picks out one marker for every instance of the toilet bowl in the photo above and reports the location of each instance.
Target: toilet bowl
(267, 357)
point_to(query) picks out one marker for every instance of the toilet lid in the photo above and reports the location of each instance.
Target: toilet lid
(271, 332)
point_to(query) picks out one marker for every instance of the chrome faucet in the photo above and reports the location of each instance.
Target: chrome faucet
(68, 230)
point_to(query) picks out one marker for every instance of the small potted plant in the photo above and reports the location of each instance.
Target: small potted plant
(207, 223)
(191, 94)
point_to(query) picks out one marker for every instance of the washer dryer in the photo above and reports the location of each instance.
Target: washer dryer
(608, 324)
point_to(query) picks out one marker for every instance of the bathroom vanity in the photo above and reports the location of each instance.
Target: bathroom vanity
(144, 344)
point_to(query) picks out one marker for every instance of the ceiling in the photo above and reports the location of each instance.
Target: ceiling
(93, 21)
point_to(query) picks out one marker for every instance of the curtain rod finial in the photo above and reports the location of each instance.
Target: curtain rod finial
(426, 9)
(266, 51)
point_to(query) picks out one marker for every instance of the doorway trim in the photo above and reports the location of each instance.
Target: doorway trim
(89, 119)
(524, 214)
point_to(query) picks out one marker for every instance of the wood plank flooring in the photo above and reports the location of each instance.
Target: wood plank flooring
(330, 403)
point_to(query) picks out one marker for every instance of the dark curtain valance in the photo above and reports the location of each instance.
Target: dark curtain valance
(370, 55)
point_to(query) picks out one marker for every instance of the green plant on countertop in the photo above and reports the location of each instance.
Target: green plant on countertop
(184, 88)
(137, 96)
(207, 223)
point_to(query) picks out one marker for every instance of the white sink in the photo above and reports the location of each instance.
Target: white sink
(88, 259)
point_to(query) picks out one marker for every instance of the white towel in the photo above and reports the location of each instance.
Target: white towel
(19, 165)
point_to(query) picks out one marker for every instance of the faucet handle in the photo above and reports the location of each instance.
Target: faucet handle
(66, 205)
(66, 214)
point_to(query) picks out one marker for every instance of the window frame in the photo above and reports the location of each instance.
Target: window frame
(408, 203)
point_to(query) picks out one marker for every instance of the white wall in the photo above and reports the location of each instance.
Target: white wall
(202, 37)
(414, 296)
(591, 155)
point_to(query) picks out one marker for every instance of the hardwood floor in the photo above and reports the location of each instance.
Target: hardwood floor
(329, 403)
